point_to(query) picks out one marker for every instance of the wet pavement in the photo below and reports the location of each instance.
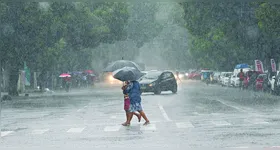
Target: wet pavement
(198, 116)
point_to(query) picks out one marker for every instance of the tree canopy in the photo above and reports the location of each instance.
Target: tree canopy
(228, 33)
(57, 35)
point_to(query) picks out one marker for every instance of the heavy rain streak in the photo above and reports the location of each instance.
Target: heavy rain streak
(139, 75)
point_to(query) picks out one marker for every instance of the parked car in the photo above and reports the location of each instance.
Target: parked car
(226, 79)
(216, 76)
(234, 80)
(158, 81)
(194, 75)
(224, 75)
(250, 79)
(262, 82)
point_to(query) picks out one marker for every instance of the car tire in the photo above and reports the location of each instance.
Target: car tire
(174, 90)
(157, 90)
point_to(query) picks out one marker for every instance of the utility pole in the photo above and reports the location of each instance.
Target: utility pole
(0, 97)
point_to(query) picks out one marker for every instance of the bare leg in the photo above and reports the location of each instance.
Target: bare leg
(129, 117)
(142, 113)
(126, 113)
(138, 116)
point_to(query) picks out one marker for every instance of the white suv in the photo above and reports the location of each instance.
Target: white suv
(234, 80)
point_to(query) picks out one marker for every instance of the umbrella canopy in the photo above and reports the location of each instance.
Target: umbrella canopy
(88, 71)
(127, 74)
(241, 66)
(65, 75)
(120, 64)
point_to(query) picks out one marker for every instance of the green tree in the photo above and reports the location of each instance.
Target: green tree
(224, 33)
(57, 35)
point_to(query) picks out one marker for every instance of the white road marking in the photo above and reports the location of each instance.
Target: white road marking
(148, 127)
(184, 125)
(258, 121)
(164, 113)
(5, 133)
(217, 114)
(61, 119)
(221, 123)
(75, 130)
(41, 131)
(241, 147)
(113, 117)
(79, 110)
(112, 128)
(235, 107)
(85, 106)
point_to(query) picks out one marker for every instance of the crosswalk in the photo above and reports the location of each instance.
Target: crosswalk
(165, 125)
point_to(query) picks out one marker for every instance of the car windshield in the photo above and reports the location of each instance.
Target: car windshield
(152, 75)
(227, 74)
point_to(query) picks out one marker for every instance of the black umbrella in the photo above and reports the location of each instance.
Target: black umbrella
(120, 64)
(127, 74)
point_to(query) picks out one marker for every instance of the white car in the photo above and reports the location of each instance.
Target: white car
(220, 79)
(226, 78)
(221, 76)
(234, 80)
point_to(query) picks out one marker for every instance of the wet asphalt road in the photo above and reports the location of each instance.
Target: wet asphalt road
(198, 116)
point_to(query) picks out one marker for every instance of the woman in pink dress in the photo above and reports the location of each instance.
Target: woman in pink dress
(127, 105)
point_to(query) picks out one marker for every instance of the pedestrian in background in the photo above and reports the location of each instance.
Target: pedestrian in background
(241, 77)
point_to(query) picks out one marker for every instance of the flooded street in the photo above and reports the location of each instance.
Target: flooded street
(198, 116)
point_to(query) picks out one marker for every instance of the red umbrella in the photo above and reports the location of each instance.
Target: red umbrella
(88, 71)
(65, 75)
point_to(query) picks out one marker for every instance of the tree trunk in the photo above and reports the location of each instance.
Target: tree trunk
(13, 81)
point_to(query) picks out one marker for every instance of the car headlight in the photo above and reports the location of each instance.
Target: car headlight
(186, 74)
(181, 76)
(152, 84)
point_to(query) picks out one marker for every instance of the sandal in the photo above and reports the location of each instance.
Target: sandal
(126, 124)
(146, 123)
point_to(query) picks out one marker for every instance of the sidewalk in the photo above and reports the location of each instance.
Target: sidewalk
(62, 93)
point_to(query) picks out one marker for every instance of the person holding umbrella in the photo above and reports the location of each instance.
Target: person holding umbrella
(131, 75)
(127, 104)
(134, 92)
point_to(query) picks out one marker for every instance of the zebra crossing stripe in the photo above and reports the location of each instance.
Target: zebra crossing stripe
(184, 125)
(75, 130)
(221, 123)
(112, 128)
(5, 133)
(40, 131)
(149, 127)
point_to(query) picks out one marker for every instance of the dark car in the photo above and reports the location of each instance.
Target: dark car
(158, 81)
